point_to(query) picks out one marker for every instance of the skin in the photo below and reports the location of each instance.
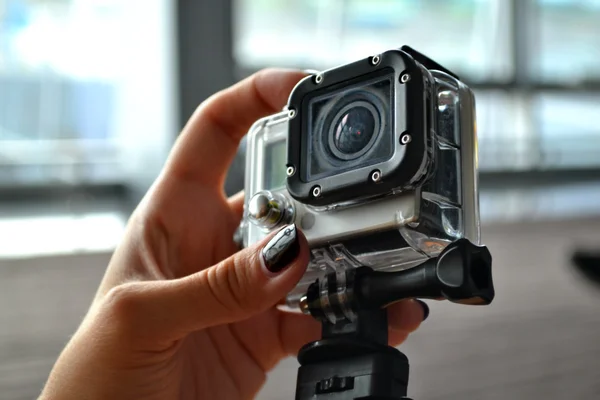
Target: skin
(180, 312)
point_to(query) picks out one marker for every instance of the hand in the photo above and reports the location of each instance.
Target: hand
(180, 314)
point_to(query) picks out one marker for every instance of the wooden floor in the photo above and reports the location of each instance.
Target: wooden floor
(539, 340)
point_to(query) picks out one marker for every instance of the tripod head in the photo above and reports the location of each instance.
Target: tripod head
(353, 359)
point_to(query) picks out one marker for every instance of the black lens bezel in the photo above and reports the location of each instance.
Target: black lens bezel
(408, 117)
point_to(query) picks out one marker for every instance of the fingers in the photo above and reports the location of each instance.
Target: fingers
(296, 330)
(404, 318)
(209, 141)
(407, 315)
(246, 284)
(396, 338)
(236, 204)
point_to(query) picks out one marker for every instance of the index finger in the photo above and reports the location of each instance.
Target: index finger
(209, 141)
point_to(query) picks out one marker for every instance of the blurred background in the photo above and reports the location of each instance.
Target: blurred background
(93, 93)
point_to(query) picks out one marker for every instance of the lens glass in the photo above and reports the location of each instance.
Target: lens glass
(350, 127)
(354, 130)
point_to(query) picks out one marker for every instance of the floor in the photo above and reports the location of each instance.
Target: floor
(538, 340)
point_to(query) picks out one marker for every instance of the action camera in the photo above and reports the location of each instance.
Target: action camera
(375, 161)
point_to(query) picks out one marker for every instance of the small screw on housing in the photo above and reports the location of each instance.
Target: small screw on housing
(318, 78)
(375, 60)
(376, 175)
(291, 113)
(405, 78)
(290, 170)
(405, 139)
(316, 191)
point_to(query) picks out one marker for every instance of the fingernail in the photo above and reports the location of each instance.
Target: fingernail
(425, 308)
(282, 249)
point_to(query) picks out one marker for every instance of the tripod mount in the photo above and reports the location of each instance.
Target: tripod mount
(352, 360)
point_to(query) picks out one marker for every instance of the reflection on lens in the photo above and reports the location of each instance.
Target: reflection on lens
(354, 130)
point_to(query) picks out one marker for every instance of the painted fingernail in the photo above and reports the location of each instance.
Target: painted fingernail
(425, 309)
(282, 249)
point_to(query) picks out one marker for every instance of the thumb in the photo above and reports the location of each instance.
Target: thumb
(239, 287)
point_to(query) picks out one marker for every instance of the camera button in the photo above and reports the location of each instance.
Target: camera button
(268, 210)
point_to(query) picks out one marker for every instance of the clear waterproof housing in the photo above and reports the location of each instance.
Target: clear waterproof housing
(398, 195)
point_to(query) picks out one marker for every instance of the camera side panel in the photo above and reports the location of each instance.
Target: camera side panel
(266, 151)
(449, 200)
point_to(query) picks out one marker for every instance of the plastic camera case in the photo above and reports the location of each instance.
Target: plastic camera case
(404, 199)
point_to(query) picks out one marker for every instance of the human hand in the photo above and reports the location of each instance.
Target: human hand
(180, 313)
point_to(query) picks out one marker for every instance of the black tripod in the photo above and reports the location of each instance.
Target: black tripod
(353, 359)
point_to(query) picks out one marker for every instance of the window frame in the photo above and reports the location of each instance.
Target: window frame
(205, 65)
(524, 18)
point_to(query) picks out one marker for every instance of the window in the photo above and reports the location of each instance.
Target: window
(78, 81)
(468, 36)
(568, 135)
(566, 47)
(509, 51)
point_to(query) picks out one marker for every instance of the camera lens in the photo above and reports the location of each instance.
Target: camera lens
(347, 128)
(354, 130)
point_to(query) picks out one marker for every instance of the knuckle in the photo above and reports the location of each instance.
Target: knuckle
(230, 284)
(123, 301)
(220, 294)
(240, 282)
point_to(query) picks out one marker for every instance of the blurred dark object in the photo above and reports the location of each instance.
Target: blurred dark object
(587, 262)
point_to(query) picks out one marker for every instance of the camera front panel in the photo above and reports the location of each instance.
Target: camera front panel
(357, 131)
(348, 129)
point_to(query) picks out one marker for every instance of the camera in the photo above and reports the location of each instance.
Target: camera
(375, 161)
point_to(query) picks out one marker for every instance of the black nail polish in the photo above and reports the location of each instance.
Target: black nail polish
(425, 309)
(282, 249)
